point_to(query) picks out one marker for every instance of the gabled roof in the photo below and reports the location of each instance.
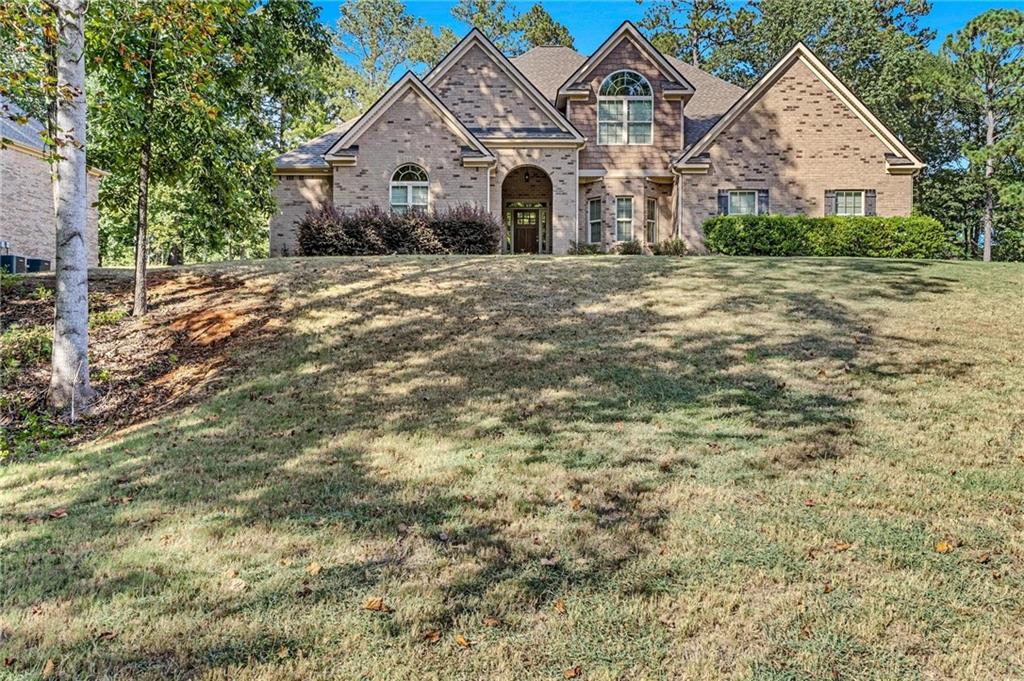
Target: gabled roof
(712, 97)
(802, 53)
(477, 38)
(627, 31)
(310, 156)
(407, 83)
(547, 67)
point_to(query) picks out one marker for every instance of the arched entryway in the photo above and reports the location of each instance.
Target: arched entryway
(526, 206)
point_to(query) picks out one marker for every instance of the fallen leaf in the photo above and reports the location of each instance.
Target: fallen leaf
(59, 513)
(462, 641)
(284, 562)
(48, 668)
(492, 622)
(375, 604)
(559, 606)
(841, 546)
(984, 558)
(576, 503)
(303, 591)
(943, 547)
(827, 588)
(313, 569)
(810, 502)
(106, 636)
(549, 561)
(9, 661)
(432, 636)
(572, 672)
(443, 536)
(282, 653)
(667, 621)
(230, 572)
(237, 585)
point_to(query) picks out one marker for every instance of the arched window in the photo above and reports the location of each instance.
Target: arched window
(409, 189)
(625, 109)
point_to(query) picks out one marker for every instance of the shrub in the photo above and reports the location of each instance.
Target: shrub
(375, 231)
(674, 246)
(629, 248)
(467, 229)
(24, 346)
(580, 248)
(788, 235)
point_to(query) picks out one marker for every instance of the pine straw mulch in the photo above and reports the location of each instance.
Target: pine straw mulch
(201, 324)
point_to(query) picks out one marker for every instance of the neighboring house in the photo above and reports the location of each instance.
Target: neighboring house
(28, 226)
(627, 144)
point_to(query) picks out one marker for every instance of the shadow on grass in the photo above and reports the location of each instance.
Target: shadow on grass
(397, 391)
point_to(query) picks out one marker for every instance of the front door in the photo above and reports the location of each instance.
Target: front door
(526, 229)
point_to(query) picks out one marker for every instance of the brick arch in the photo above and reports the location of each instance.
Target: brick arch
(527, 194)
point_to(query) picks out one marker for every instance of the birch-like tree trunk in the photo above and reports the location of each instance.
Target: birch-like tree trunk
(986, 220)
(70, 391)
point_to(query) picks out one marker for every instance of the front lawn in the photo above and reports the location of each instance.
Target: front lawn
(512, 468)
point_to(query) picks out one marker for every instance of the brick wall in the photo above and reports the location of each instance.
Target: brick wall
(798, 141)
(560, 165)
(410, 132)
(295, 195)
(608, 189)
(26, 208)
(666, 128)
(481, 95)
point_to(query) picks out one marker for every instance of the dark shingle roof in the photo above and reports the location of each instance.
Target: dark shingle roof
(548, 66)
(22, 133)
(712, 97)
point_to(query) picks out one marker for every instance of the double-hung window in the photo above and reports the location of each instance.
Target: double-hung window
(409, 189)
(742, 202)
(625, 109)
(849, 203)
(624, 218)
(594, 221)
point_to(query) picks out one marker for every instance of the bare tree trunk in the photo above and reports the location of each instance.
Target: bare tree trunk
(986, 220)
(70, 391)
(142, 224)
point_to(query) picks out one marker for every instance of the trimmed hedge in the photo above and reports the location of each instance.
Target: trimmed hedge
(376, 231)
(788, 235)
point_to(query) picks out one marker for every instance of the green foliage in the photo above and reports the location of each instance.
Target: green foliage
(795, 235)
(42, 293)
(22, 346)
(375, 231)
(98, 320)
(511, 32)
(629, 248)
(690, 30)
(674, 246)
(583, 248)
(36, 432)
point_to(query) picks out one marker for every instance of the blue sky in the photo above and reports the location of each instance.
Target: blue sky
(591, 22)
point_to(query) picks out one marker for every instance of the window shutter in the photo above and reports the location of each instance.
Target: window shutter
(762, 201)
(723, 202)
(830, 202)
(869, 202)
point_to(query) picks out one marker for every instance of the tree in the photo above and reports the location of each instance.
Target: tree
(987, 65)
(378, 37)
(690, 30)
(540, 28)
(496, 20)
(70, 391)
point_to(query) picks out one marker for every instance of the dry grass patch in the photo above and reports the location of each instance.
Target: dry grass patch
(640, 467)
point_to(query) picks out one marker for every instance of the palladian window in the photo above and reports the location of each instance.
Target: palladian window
(625, 109)
(409, 189)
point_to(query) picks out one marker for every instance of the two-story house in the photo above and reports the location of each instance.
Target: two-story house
(627, 144)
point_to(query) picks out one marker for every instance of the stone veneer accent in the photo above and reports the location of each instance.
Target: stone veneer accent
(667, 129)
(27, 221)
(481, 95)
(295, 195)
(410, 132)
(560, 165)
(608, 189)
(798, 141)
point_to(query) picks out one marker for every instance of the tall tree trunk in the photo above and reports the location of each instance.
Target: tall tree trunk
(986, 220)
(142, 208)
(51, 41)
(70, 391)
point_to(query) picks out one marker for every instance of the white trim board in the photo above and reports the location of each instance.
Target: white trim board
(627, 31)
(476, 38)
(408, 82)
(803, 54)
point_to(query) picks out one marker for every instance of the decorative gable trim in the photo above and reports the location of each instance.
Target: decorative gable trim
(477, 38)
(409, 82)
(627, 31)
(908, 162)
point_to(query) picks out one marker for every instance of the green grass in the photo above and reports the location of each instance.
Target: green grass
(723, 468)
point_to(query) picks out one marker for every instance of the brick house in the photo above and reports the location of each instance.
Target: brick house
(627, 144)
(28, 226)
